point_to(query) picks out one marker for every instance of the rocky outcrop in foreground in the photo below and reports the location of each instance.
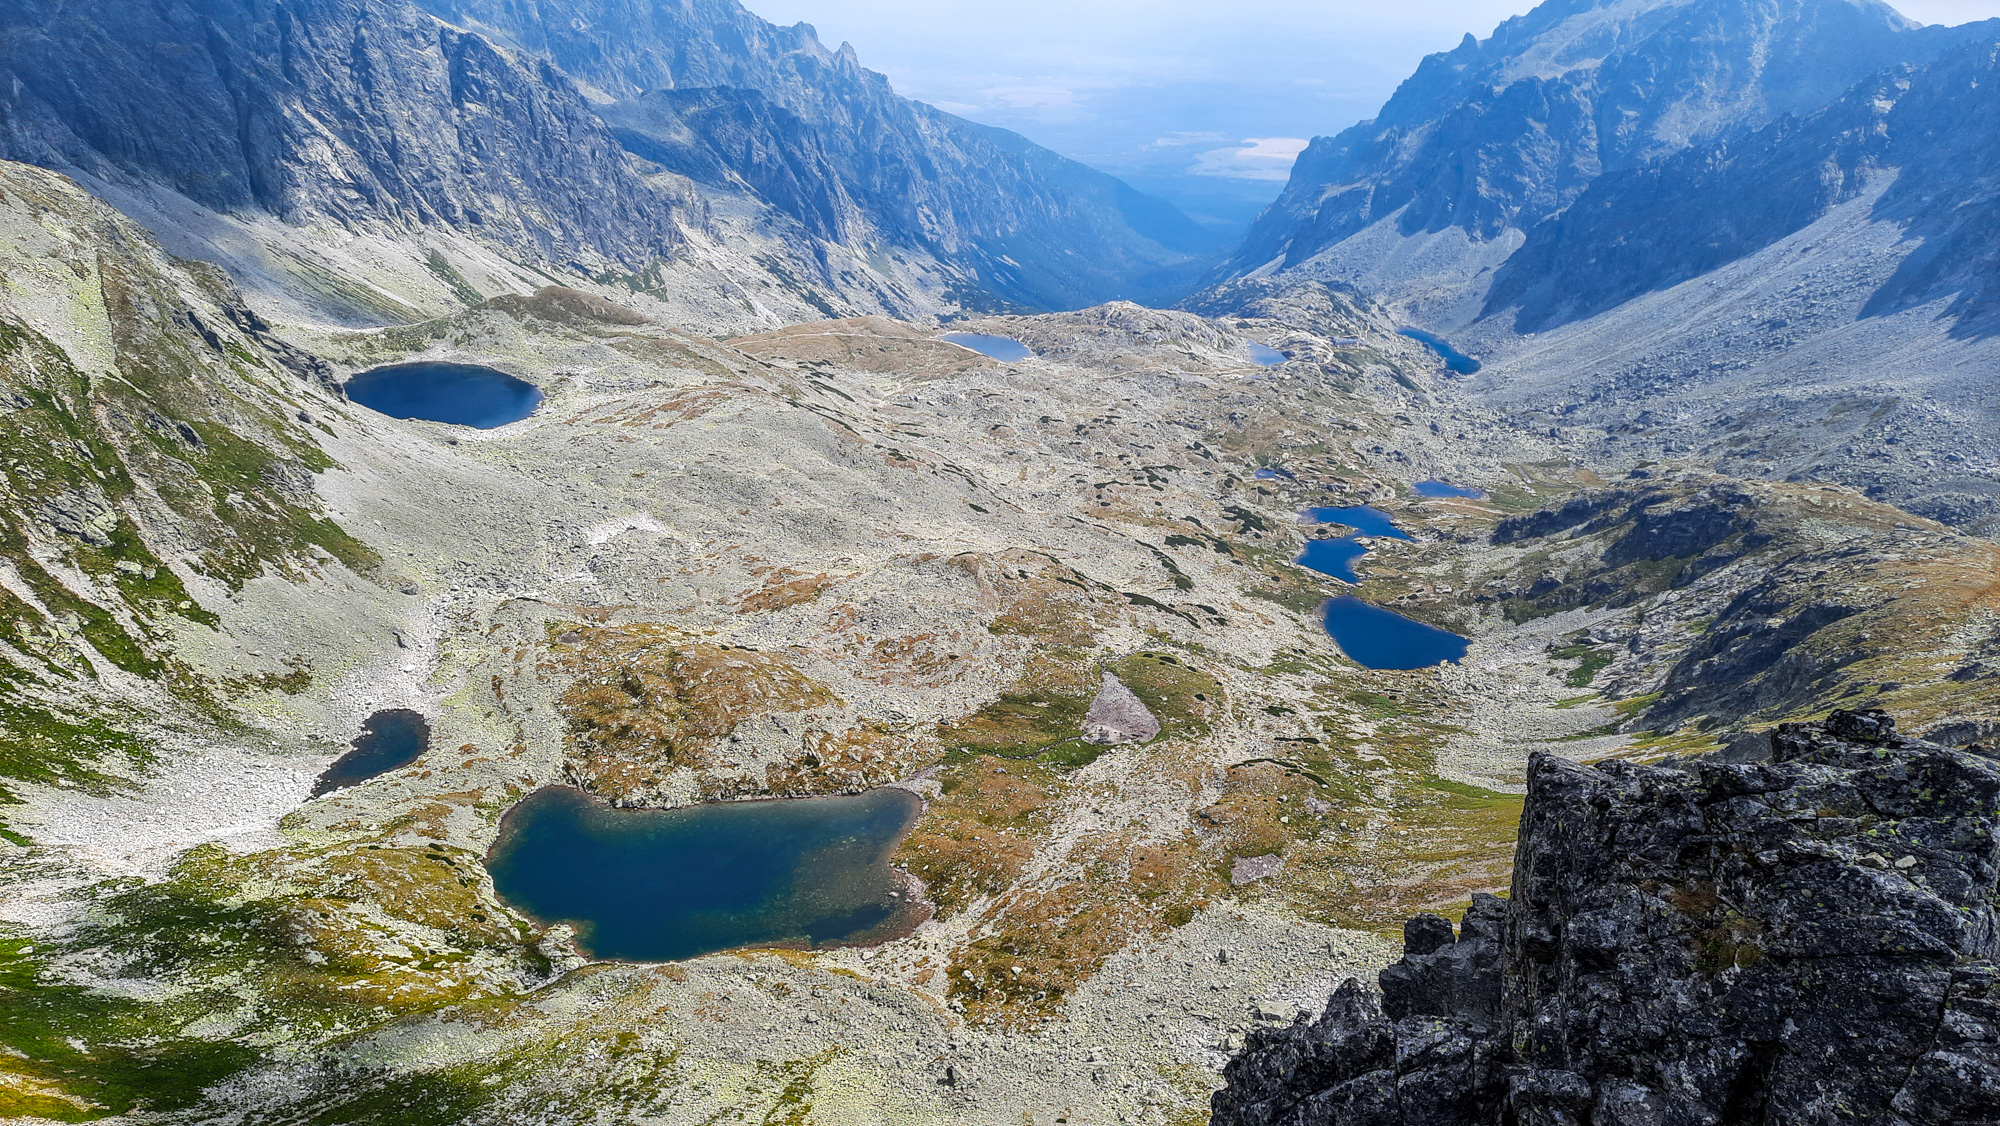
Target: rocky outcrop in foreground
(1804, 939)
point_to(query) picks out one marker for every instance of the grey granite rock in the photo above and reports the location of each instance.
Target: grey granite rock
(1806, 940)
(1717, 203)
(1500, 133)
(711, 90)
(1118, 715)
(484, 119)
(353, 112)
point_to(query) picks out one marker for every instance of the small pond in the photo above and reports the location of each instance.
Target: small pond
(1383, 639)
(1454, 360)
(1263, 355)
(1336, 556)
(1435, 489)
(460, 394)
(1006, 349)
(652, 885)
(390, 740)
(1367, 520)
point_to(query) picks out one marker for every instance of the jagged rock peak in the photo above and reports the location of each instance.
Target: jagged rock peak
(1808, 939)
(1486, 140)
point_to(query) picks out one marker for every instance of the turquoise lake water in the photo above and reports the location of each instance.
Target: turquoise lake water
(460, 394)
(1435, 489)
(1454, 359)
(659, 885)
(1006, 349)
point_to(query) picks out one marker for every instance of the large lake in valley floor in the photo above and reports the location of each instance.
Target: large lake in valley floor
(460, 394)
(653, 885)
(390, 740)
(1383, 639)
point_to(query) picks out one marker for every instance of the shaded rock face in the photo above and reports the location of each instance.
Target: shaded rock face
(1810, 939)
(349, 111)
(1647, 229)
(484, 118)
(715, 134)
(1697, 533)
(1117, 715)
(1503, 132)
(711, 90)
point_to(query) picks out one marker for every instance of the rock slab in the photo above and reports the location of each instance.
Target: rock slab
(1118, 715)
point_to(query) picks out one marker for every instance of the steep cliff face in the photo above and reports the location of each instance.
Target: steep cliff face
(1030, 225)
(1806, 938)
(728, 136)
(464, 120)
(1634, 232)
(160, 453)
(620, 49)
(1487, 140)
(354, 112)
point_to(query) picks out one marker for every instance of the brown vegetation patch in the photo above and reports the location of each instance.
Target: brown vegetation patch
(659, 414)
(1043, 708)
(867, 755)
(863, 344)
(1045, 941)
(974, 840)
(434, 886)
(783, 588)
(647, 700)
(1028, 594)
(1256, 813)
(926, 658)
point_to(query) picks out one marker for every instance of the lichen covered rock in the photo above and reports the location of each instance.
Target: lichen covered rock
(1810, 939)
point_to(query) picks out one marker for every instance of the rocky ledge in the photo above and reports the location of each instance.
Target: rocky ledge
(1809, 938)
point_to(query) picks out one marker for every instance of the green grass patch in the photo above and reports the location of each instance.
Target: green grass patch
(1593, 661)
(1183, 698)
(1467, 791)
(442, 269)
(1019, 724)
(110, 1053)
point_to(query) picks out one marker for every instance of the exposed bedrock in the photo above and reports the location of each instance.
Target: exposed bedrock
(1808, 939)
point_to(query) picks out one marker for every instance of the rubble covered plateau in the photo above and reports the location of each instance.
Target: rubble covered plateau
(1055, 599)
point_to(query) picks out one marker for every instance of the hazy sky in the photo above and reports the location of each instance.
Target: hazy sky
(1204, 102)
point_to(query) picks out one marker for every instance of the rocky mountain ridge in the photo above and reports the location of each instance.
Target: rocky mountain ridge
(349, 112)
(1701, 943)
(1928, 128)
(1485, 141)
(1776, 262)
(1807, 300)
(1034, 228)
(259, 134)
